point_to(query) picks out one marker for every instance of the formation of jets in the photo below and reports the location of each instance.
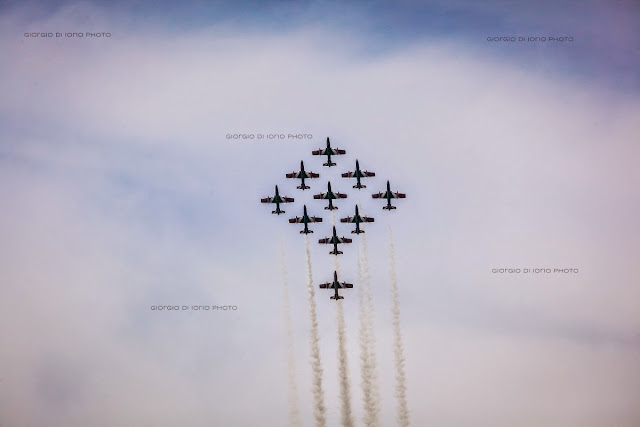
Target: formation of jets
(330, 196)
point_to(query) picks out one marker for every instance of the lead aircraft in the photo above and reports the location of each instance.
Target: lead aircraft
(328, 152)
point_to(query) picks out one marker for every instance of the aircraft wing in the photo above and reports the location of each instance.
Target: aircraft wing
(327, 240)
(400, 195)
(325, 285)
(295, 220)
(347, 219)
(266, 200)
(318, 152)
(292, 175)
(344, 240)
(346, 285)
(367, 173)
(378, 196)
(287, 199)
(341, 195)
(313, 175)
(367, 219)
(315, 219)
(319, 196)
(339, 151)
(348, 174)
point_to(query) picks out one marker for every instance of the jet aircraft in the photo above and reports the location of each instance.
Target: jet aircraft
(357, 219)
(328, 152)
(330, 196)
(336, 285)
(305, 219)
(335, 241)
(389, 195)
(358, 174)
(302, 175)
(277, 199)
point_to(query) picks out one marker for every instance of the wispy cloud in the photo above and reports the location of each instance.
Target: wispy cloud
(120, 191)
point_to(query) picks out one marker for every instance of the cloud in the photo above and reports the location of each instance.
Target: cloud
(123, 192)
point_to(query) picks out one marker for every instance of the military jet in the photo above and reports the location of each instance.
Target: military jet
(335, 241)
(305, 219)
(336, 285)
(328, 152)
(302, 174)
(277, 199)
(357, 219)
(358, 174)
(389, 195)
(330, 196)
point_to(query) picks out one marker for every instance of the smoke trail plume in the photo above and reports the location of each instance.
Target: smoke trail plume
(319, 410)
(346, 415)
(368, 371)
(398, 350)
(294, 412)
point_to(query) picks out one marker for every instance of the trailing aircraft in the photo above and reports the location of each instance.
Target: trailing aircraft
(305, 219)
(389, 195)
(358, 174)
(328, 152)
(335, 241)
(302, 175)
(330, 196)
(336, 285)
(357, 219)
(277, 199)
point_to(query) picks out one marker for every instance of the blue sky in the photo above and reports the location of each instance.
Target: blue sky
(120, 191)
(604, 50)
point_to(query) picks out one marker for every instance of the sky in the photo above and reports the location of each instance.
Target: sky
(121, 191)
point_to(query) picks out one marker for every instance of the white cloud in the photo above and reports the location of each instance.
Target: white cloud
(122, 192)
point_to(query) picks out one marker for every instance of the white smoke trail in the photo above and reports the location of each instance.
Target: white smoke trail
(346, 415)
(370, 389)
(294, 411)
(343, 365)
(319, 409)
(370, 316)
(398, 350)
